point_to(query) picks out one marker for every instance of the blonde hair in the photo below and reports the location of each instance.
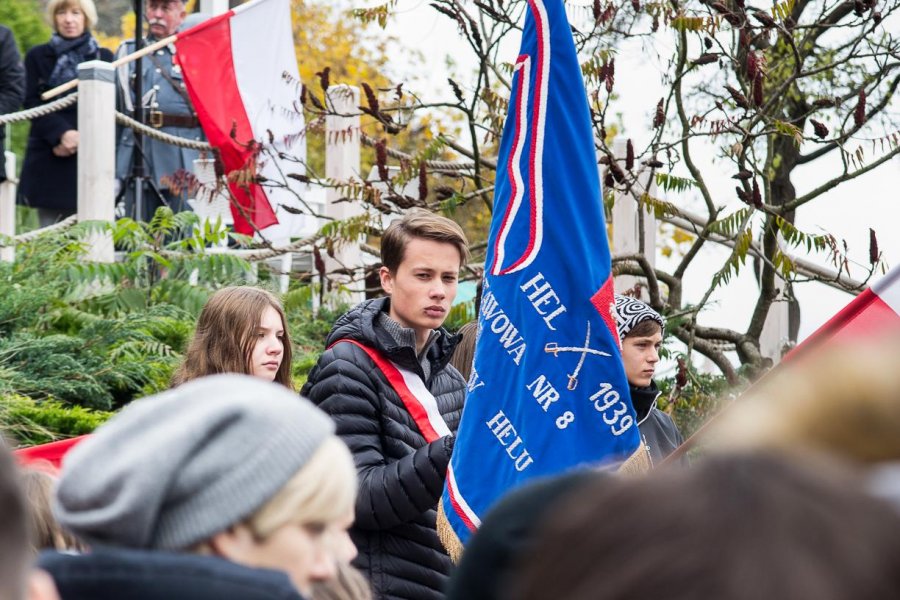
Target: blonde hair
(349, 584)
(844, 400)
(46, 532)
(225, 335)
(322, 492)
(86, 6)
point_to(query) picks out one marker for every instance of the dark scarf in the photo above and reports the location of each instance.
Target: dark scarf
(69, 54)
(643, 398)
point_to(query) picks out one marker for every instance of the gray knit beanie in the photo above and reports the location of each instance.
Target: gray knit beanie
(172, 470)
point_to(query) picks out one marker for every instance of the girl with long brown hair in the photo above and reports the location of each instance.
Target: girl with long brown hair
(241, 329)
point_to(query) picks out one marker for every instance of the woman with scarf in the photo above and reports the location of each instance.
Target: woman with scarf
(50, 171)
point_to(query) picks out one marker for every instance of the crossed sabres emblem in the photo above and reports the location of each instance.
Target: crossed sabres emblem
(554, 349)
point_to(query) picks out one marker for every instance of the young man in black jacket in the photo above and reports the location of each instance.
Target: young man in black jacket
(385, 380)
(641, 332)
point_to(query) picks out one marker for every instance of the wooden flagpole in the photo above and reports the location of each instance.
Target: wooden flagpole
(65, 87)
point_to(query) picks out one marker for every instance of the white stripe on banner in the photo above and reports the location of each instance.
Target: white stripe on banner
(426, 399)
(457, 495)
(888, 289)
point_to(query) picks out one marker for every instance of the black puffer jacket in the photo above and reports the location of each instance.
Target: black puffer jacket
(401, 476)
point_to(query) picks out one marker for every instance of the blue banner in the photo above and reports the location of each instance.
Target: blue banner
(548, 391)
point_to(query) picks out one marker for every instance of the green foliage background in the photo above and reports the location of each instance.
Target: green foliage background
(80, 340)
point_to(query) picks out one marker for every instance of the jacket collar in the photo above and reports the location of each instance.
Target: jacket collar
(644, 399)
(361, 324)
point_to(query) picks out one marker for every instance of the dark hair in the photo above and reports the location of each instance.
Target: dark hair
(422, 224)
(736, 527)
(226, 333)
(14, 536)
(646, 328)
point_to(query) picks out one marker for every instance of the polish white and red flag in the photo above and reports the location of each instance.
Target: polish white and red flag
(873, 313)
(240, 70)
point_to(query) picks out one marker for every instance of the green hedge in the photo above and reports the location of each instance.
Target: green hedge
(27, 422)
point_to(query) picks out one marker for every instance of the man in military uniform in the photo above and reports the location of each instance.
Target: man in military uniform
(167, 107)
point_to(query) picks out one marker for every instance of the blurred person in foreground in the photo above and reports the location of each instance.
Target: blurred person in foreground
(18, 580)
(737, 527)
(50, 170)
(236, 471)
(843, 400)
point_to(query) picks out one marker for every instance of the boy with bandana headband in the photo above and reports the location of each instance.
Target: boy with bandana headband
(641, 331)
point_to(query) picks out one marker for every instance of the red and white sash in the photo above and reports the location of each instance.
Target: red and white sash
(419, 402)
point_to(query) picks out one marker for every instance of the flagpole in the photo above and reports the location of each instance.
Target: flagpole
(65, 87)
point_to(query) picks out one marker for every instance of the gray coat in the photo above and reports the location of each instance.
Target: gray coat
(163, 160)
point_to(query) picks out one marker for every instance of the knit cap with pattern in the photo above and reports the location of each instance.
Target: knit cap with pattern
(630, 311)
(172, 470)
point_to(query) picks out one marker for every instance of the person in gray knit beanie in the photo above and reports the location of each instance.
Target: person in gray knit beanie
(226, 465)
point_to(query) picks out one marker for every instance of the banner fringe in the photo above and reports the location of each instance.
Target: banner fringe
(448, 537)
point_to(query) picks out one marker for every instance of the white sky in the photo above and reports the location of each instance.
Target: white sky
(848, 212)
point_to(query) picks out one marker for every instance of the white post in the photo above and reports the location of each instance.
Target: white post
(8, 207)
(97, 152)
(776, 330)
(342, 164)
(626, 228)
(213, 7)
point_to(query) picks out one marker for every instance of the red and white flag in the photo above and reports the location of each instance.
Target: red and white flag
(240, 70)
(875, 312)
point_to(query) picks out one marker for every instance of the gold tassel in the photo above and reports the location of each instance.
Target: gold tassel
(447, 536)
(638, 463)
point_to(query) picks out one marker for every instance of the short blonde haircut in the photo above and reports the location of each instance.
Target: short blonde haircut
(844, 400)
(86, 6)
(322, 492)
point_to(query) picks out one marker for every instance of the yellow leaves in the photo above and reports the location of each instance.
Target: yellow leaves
(378, 14)
(783, 10)
(325, 38)
(673, 240)
(789, 130)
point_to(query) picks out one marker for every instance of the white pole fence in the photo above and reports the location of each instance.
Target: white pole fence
(97, 153)
(8, 206)
(96, 122)
(342, 163)
(213, 7)
(626, 228)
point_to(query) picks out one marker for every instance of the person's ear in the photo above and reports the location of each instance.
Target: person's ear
(41, 586)
(232, 544)
(387, 280)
